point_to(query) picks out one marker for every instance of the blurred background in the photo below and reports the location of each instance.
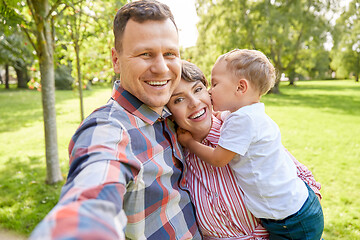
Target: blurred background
(55, 69)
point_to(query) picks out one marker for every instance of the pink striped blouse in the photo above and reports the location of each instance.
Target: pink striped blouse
(219, 202)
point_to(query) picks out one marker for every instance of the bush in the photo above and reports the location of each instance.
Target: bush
(63, 78)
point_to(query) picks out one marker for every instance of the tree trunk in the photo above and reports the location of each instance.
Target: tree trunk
(46, 61)
(21, 73)
(357, 68)
(77, 50)
(292, 78)
(7, 76)
(275, 89)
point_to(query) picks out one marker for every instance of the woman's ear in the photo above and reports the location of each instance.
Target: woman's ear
(242, 86)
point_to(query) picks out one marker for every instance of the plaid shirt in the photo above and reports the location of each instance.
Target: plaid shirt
(122, 181)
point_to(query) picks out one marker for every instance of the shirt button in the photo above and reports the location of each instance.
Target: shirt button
(284, 227)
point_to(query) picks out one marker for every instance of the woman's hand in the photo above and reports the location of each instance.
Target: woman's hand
(184, 137)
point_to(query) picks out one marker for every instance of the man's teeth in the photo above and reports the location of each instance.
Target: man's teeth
(157, 83)
(198, 114)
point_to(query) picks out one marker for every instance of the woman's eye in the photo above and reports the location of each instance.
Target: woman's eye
(178, 100)
(198, 89)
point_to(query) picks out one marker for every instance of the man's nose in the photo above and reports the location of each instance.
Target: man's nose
(159, 65)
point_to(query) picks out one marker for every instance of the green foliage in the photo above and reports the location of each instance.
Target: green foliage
(89, 23)
(63, 78)
(346, 52)
(286, 31)
(319, 121)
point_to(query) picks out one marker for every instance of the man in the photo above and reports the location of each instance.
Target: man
(125, 164)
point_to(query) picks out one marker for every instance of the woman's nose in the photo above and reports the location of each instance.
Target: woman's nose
(194, 102)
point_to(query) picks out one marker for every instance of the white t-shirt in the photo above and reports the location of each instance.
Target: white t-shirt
(263, 169)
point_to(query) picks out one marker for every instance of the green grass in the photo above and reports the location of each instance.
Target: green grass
(320, 125)
(24, 197)
(319, 121)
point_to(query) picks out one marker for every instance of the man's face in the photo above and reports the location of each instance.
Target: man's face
(149, 62)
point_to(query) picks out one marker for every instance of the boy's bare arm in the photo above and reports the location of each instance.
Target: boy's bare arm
(217, 157)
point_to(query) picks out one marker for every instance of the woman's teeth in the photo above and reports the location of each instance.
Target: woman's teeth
(199, 114)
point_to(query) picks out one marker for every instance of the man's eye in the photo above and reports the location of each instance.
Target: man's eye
(169, 54)
(145, 54)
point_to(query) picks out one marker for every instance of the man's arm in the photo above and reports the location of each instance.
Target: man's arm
(217, 157)
(91, 204)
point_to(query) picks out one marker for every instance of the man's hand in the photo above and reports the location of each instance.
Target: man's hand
(184, 137)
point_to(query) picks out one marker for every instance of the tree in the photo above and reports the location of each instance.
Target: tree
(80, 26)
(17, 54)
(279, 28)
(14, 50)
(346, 51)
(40, 34)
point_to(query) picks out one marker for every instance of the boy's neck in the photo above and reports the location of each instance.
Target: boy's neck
(247, 101)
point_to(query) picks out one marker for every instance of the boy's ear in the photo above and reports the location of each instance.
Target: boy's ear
(242, 86)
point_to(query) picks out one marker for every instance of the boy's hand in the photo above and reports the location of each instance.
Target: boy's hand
(217, 114)
(221, 115)
(184, 137)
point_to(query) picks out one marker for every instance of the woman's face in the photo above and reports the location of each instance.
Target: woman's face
(190, 105)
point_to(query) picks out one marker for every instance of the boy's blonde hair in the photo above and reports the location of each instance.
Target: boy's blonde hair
(252, 65)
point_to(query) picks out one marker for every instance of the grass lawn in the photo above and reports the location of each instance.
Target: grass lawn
(319, 121)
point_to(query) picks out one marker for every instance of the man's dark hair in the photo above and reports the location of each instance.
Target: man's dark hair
(139, 11)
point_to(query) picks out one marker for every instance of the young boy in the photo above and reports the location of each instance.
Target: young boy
(251, 143)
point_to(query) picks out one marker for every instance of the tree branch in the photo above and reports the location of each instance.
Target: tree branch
(58, 2)
(29, 37)
(31, 7)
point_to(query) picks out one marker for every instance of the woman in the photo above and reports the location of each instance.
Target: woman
(219, 202)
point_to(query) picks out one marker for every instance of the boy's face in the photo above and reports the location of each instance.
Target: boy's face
(223, 88)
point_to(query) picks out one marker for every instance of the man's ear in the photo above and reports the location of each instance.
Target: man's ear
(242, 86)
(115, 60)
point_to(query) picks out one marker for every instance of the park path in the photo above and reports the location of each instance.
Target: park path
(8, 235)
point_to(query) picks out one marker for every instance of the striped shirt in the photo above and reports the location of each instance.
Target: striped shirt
(219, 202)
(122, 181)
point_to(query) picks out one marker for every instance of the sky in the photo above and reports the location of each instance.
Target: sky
(186, 18)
